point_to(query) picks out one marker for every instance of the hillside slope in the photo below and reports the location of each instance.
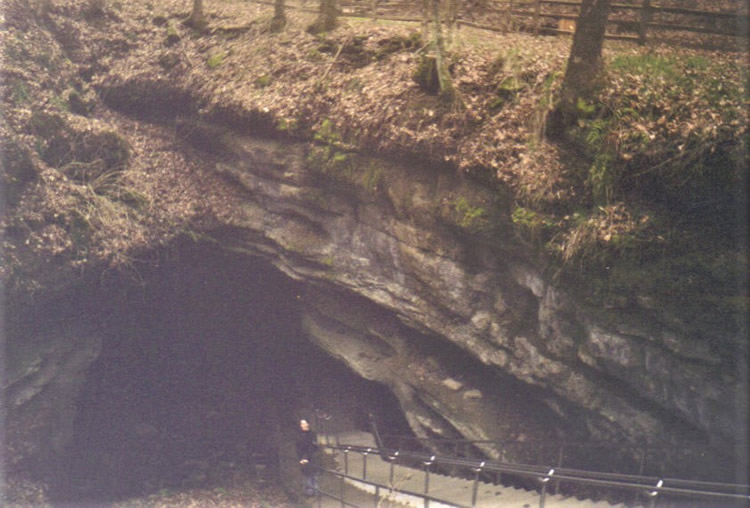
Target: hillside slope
(647, 195)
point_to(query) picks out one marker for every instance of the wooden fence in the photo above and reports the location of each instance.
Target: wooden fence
(627, 21)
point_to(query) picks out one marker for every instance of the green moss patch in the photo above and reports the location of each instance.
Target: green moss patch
(215, 60)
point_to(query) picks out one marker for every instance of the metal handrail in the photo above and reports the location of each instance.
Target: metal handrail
(653, 486)
(378, 487)
(535, 442)
(638, 453)
(582, 444)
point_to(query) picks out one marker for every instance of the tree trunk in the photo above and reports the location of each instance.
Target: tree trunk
(444, 77)
(426, 19)
(643, 24)
(278, 22)
(584, 63)
(451, 20)
(197, 19)
(327, 18)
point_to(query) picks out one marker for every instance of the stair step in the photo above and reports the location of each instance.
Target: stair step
(450, 489)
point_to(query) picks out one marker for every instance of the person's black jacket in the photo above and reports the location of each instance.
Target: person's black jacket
(306, 447)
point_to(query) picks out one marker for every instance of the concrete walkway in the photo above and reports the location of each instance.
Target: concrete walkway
(451, 491)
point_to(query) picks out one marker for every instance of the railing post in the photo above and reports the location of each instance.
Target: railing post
(377, 495)
(653, 493)
(499, 475)
(645, 19)
(544, 481)
(560, 456)
(427, 465)
(641, 468)
(475, 488)
(346, 461)
(392, 460)
(456, 448)
(343, 491)
(364, 463)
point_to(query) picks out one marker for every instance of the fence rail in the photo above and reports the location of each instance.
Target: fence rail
(639, 458)
(637, 22)
(648, 486)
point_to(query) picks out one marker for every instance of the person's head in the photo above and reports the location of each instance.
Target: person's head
(304, 425)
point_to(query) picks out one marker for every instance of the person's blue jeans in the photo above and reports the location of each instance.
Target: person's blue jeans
(311, 484)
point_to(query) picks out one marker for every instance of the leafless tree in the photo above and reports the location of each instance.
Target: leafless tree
(278, 22)
(197, 18)
(584, 63)
(327, 18)
(444, 76)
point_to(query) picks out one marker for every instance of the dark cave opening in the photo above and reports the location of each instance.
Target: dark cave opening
(203, 371)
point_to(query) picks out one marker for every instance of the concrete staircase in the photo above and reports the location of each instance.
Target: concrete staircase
(449, 490)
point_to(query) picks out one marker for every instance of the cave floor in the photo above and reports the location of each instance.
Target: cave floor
(240, 489)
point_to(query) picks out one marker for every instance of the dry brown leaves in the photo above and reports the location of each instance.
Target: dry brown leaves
(296, 83)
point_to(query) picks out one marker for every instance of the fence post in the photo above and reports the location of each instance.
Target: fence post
(508, 22)
(654, 493)
(645, 19)
(364, 463)
(499, 474)
(544, 481)
(475, 488)
(427, 465)
(343, 491)
(560, 456)
(456, 453)
(537, 12)
(641, 469)
(392, 460)
(346, 461)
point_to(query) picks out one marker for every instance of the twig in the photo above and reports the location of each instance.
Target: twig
(330, 66)
(423, 48)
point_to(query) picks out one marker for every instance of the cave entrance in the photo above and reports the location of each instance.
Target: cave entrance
(203, 371)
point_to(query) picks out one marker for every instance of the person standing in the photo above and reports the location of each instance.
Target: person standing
(307, 445)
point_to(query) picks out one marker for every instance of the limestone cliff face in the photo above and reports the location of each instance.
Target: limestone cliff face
(415, 277)
(45, 358)
(431, 254)
(415, 280)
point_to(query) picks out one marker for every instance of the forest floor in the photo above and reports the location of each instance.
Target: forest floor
(665, 118)
(661, 108)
